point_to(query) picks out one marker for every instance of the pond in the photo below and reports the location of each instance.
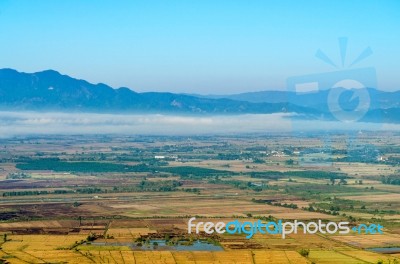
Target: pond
(385, 250)
(161, 244)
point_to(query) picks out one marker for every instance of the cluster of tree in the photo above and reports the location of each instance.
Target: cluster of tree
(150, 186)
(102, 167)
(392, 179)
(62, 191)
(366, 154)
(143, 186)
(242, 185)
(24, 193)
(86, 167)
(228, 156)
(302, 174)
(319, 210)
(262, 201)
(27, 193)
(336, 204)
(265, 218)
(195, 172)
(18, 175)
(159, 186)
(193, 190)
(286, 205)
(270, 175)
(341, 181)
(256, 157)
(270, 202)
(90, 190)
(304, 252)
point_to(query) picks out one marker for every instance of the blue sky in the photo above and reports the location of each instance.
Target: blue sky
(197, 46)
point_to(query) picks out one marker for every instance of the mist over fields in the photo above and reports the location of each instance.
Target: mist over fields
(48, 102)
(31, 123)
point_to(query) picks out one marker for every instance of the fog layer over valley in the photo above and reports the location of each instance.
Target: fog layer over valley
(26, 123)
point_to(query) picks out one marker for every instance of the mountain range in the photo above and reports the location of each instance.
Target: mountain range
(316, 100)
(51, 91)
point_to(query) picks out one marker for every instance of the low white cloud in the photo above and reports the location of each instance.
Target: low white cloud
(30, 123)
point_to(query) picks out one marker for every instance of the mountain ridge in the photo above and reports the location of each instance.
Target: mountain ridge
(50, 90)
(386, 98)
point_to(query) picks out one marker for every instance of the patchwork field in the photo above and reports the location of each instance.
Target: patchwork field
(128, 199)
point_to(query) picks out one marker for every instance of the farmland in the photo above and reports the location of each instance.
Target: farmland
(127, 199)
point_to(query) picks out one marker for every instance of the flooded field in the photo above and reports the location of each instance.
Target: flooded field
(161, 244)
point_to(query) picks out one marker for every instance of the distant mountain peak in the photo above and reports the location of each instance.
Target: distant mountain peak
(49, 90)
(49, 71)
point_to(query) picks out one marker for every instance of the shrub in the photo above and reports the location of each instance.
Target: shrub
(304, 252)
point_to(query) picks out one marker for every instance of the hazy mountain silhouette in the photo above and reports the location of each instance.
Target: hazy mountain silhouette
(383, 106)
(51, 91)
(316, 100)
